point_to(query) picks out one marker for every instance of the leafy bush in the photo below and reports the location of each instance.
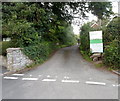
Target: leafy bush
(4, 45)
(39, 52)
(111, 56)
(111, 43)
(111, 32)
(84, 38)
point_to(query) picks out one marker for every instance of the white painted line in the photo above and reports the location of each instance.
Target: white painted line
(95, 83)
(29, 78)
(18, 74)
(115, 85)
(66, 77)
(72, 81)
(11, 78)
(48, 76)
(49, 80)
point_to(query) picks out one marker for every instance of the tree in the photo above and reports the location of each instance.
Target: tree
(84, 37)
(101, 9)
(44, 20)
(111, 32)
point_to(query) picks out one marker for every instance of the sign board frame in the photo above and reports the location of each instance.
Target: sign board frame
(96, 42)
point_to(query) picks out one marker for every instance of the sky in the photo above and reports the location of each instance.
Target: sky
(76, 28)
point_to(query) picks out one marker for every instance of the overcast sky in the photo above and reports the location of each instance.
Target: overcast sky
(92, 17)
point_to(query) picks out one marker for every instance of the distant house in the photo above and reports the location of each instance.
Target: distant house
(95, 25)
(100, 23)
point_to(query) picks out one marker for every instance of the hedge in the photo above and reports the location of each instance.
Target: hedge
(39, 52)
(4, 45)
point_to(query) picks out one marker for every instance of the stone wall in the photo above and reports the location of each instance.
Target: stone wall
(16, 60)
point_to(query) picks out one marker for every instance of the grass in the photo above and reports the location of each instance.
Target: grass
(99, 65)
(85, 56)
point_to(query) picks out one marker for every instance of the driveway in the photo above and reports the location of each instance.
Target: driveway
(66, 75)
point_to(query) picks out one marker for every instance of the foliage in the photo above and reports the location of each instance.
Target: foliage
(47, 20)
(39, 52)
(84, 38)
(111, 32)
(33, 23)
(86, 55)
(101, 9)
(112, 57)
(112, 44)
(99, 65)
(4, 45)
(110, 39)
(37, 27)
(66, 35)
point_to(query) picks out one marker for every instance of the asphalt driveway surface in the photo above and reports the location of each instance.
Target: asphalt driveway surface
(63, 76)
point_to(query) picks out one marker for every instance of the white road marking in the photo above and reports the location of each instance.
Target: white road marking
(48, 76)
(29, 78)
(49, 80)
(30, 75)
(72, 81)
(66, 77)
(11, 78)
(18, 74)
(115, 85)
(95, 83)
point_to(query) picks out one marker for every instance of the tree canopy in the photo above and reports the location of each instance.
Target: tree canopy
(40, 27)
(33, 21)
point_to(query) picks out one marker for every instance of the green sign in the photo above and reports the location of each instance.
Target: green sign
(95, 41)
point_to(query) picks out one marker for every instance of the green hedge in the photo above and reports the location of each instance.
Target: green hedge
(112, 57)
(84, 38)
(112, 31)
(39, 52)
(4, 45)
(112, 44)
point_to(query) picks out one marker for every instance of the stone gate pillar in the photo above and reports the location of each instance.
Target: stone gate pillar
(16, 60)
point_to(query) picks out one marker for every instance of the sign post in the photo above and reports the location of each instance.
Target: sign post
(96, 43)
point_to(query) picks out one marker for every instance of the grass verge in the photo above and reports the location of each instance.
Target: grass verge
(85, 56)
